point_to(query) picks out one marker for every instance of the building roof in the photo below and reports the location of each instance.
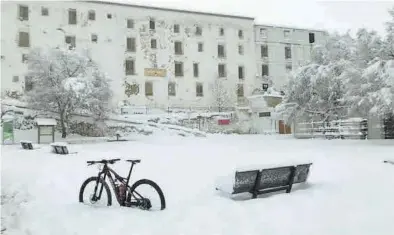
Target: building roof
(171, 9)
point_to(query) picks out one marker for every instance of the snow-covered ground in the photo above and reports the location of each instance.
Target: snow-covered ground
(350, 190)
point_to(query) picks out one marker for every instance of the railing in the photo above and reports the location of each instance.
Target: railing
(354, 128)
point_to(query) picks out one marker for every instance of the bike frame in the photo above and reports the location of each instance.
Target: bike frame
(106, 171)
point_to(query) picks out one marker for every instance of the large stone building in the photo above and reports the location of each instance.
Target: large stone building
(154, 56)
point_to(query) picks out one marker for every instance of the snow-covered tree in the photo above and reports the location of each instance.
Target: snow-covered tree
(66, 82)
(389, 41)
(223, 95)
(369, 47)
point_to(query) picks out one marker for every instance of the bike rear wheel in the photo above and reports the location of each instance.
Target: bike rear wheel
(89, 196)
(146, 202)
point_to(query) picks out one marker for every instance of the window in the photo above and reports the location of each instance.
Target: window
(129, 67)
(130, 44)
(70, 40)
(24, 39)
(240, 90)
(24, 58)
(15, 79)
(178, 48)
(28, 83)
(241, 73)
(148, 88)
(130, 23)
(198, 31)
(265, 86)
(311, 37)
(23, 12)
(195, 70)
(91, 15)
(264, 51)
(222, 70)
(171, 89)
(199, 90)
(240, 49)
(289, 67)
(200, 47)
(109, 16)
(240, 34)
(221, 51)
(178, 69)
(153, 43)
(263, 32)
(286, 33)
(94, 38)
(264, 70)
(265, 114)
(72, 16)
(288, 52)
(152, 24)
(176, 28)
(221, 31)
(44, 11)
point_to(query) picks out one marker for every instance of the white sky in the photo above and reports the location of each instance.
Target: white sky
(328, 15)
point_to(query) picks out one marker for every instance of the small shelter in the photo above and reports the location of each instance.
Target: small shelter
(46, 127)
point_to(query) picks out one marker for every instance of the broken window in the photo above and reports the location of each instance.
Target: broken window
(109, 16)
(198, 31)
(221, 31)
(240, 49)
(240, 90)
(240, 34)
(263, 32)
(130, 23)
(311, 37)
(152, 24)
(200, 47)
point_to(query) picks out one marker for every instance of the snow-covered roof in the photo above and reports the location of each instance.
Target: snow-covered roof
(46, 122)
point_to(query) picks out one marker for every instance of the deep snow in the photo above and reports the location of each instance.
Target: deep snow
(350, 189)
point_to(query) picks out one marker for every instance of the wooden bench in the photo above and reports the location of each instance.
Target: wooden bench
(268, 180)
(59, 148)
(26, 144)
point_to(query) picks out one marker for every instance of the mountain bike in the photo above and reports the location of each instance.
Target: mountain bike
(126, 195)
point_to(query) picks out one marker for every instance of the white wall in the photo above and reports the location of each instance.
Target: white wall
(110, 50)
(276, 42)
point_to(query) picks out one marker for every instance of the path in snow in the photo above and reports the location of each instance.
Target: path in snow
(351, 189)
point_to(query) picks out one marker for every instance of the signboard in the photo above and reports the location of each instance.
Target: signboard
(154, 72)
(46, 130)
(8, 132)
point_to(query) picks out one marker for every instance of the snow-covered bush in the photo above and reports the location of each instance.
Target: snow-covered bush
(66, 82)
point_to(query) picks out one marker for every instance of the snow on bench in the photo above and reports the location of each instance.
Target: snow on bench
(26, 144)
(264, 178)
(59, 148)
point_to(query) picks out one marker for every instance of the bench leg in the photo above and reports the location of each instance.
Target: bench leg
(255, 191)
(291, 179)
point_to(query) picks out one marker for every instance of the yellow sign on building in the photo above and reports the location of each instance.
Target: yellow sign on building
(155, 72)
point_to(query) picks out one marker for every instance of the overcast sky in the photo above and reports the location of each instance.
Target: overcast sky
(329, 15)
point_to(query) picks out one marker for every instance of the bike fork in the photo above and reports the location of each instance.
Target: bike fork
(96, 198)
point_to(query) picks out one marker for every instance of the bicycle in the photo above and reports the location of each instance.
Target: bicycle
(126, 195)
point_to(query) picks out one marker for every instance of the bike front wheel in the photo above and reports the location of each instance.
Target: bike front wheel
(95, 191)
(146, 200)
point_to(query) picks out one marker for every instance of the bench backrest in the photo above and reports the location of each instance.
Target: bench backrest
(248, 181)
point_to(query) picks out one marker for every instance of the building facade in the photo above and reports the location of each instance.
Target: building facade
(154, 56)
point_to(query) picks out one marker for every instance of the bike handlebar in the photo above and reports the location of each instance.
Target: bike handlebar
(104, 161)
